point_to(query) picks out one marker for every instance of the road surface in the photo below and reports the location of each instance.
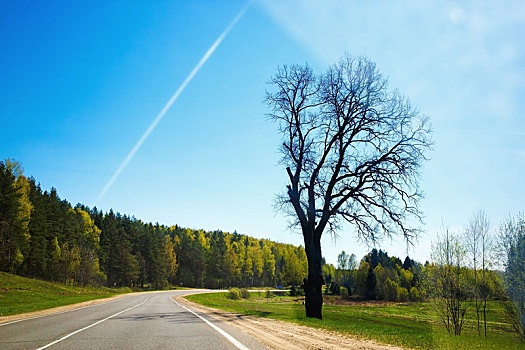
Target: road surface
(143, 321)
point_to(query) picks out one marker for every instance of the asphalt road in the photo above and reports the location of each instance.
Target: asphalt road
(145, 321)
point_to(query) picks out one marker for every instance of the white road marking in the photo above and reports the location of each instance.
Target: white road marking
(91, 325)
(232, 340)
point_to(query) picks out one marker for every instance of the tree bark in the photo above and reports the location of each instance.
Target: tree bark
(314, 283)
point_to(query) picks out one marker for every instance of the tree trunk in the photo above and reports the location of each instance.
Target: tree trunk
(314, 283)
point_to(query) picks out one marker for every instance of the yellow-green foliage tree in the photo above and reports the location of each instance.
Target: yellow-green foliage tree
(233, 263)
(294, 271)
(361, 278)
(25, 207)
(406, 277)
(255, 253)
(268, 264)
(87, 243)
(69, 263)
(391, 290)
(170, 258)
(329, 272)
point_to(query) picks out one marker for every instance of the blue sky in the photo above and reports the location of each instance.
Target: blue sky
(81, 82)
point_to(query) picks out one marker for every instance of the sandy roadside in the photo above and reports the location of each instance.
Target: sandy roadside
(284, 335)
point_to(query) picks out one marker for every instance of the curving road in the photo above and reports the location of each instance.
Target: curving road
(145, 321)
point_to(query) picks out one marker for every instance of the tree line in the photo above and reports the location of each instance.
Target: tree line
(379, 276)
(44, 236)
(376, 277)
(464, 274)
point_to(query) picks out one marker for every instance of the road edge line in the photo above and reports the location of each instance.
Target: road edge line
(91, 325)
(222, 332)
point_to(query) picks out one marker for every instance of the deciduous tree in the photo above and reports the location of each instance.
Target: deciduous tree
(448, 282)
(352, 150)
(512, 241)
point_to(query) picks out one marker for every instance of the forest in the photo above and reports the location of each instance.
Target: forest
(44, 236)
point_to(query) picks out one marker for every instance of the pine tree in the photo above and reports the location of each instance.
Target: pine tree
(12, 235)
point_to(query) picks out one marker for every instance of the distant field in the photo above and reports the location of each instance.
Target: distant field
(412, 325)
(19, 294)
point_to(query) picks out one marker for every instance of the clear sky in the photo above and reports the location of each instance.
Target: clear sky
(81, 82)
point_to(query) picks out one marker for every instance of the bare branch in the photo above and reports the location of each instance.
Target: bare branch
(352, 149)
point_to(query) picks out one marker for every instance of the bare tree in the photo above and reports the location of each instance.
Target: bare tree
(472, 245)
(447, 281)
(487, 247)
(346, 265)
(478, 244)
(352, 151)
(343, 260)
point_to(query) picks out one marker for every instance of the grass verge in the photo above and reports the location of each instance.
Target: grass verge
(20, 294)
(411, 325)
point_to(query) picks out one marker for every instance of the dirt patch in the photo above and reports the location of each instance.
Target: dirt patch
(284, 335)
(337, 300)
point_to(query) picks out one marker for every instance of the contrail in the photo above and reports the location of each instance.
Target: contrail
(171, 100)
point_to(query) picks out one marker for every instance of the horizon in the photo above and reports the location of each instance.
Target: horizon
(83, 83)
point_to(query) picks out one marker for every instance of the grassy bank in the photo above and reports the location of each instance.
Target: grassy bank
(412, 325)
(19, 294)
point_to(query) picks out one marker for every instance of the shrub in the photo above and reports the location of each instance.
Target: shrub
(245, 294)
(344, 293)
(513, 317)
(296, 291)
(391, 288)
(416, 294)
(269, 294)
(335, 288)
(402, 294)
(234, 294)
(100, 278)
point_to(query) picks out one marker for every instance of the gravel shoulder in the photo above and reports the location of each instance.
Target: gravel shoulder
(277, 334)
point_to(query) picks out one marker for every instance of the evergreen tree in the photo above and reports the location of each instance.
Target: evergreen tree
(36, 263)
(11, 233)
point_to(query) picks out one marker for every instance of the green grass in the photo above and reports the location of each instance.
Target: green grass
(412, 325)
(19, 294)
